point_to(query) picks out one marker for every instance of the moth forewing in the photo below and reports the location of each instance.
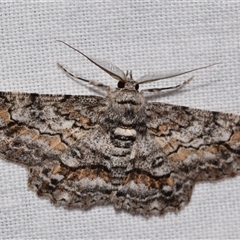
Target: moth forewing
(142, 157)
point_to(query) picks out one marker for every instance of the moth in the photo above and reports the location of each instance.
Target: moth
(144, 157)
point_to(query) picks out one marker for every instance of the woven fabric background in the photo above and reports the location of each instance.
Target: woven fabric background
(144, 36)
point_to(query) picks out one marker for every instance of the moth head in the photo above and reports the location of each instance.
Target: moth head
(128, 83)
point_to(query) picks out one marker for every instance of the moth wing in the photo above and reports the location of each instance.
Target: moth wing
(81, 178)
(200, 144)
(52, 136)
(37, 127)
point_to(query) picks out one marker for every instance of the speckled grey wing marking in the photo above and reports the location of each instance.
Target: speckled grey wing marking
(142, 157)
(182, 146)
(35, 131)
(202, 145)
(35, 126)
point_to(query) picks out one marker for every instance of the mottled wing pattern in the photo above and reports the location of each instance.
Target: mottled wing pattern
(182, 146)
(143, 157)
(34, 127)
(201, 145)
(36, 131)
(82, 177)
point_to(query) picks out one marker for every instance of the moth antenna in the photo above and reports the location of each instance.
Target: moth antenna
(108, 67)
(156, 77)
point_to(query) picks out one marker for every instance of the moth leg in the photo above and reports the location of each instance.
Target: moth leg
(82, 79)
(168, 88)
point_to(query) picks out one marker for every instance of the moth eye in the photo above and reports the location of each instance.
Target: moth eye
(121, 84)
(137, 86)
